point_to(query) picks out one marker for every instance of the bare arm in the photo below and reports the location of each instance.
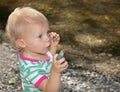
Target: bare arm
(52, 84)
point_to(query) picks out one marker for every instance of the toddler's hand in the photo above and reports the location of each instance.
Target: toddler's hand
(59, 65)
(55, 38)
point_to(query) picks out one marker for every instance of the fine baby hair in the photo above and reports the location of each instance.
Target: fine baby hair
(20, 18)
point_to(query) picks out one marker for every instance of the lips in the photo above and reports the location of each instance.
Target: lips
(48, 47)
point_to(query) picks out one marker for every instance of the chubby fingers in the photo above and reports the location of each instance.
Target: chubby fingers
(54, 36)
(62, 62)
(64, 65)
(58, 61)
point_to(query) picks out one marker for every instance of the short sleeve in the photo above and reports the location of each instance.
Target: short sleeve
(35, 74)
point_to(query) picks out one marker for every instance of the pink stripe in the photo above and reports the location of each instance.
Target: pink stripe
(26, 58)
(37, 84)
(32, 60)
(48, 57)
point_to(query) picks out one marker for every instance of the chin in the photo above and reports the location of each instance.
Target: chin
(44, 52)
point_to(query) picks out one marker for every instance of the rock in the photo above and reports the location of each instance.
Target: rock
(12, 81)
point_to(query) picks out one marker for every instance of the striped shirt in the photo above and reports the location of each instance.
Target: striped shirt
(33, 72)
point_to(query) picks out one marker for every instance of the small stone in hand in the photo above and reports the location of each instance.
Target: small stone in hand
(54, 39)
(60, 55)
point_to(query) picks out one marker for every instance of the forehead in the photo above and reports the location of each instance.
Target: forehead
(37, 27)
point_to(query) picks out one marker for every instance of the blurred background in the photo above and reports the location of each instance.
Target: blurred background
(89, 30)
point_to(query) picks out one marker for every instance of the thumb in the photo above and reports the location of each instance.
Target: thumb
(55, 56)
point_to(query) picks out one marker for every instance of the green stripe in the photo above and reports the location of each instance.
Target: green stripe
(40, 72)
(34, 66)
(34, 77)
(23, 62)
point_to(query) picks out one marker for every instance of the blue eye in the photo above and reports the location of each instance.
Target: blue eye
(40, 36)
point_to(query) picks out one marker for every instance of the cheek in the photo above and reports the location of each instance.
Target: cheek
(31, 43)
(39, 48)
(38, 45)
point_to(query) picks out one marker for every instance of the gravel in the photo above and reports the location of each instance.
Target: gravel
(72, 80)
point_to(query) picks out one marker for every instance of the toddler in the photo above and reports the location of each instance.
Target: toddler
(29, 32)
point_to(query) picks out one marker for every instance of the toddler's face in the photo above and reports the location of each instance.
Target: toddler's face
(37, 39)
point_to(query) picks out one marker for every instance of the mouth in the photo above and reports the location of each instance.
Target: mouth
(48, 47)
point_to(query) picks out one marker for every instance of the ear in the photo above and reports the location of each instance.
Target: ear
(20, 43)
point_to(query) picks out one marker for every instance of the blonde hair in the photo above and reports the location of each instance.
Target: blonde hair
(18, 20)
